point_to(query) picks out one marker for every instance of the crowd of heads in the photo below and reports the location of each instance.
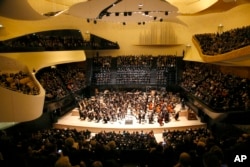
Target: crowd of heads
(61, 80)
(44, 41)
(191, 147)
(55, 40)
(165, 65)
(132, 69)
(102, 70)
(222, 92)
(19, 81)
(219, 43)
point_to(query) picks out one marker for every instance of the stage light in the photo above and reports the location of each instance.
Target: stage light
(117, 13)
(166, 13)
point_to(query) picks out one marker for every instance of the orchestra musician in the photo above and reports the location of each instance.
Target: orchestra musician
(166, 117)
(106, 118)
(151, 118)
(160, 119)
(139, 117)
(158, 108)
(176, 116)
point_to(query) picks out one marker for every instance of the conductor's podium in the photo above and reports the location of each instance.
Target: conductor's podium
(128, 119)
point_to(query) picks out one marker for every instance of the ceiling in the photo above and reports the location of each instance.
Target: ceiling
(141, 10)
(35, 9)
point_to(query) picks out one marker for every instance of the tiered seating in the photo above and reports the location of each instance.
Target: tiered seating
(19, 81)
(221, 92)
(215, 43)
(123, 148)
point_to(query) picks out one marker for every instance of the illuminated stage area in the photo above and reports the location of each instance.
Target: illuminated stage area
(72, 120)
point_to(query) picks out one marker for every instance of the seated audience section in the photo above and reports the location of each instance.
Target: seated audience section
(192, 146)
(23, 95)
(216, 47)
(221, 92)
(56, 40)
(63, 85)
(135, 70)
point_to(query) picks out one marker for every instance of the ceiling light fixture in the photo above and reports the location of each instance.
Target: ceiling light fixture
(118, 11)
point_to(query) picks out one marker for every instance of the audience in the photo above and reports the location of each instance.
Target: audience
(55, 40)
(20, 82)
(133, 69)
(219, 43)
(221, 92)
(61, 80)
(197, 147)
(166, 66)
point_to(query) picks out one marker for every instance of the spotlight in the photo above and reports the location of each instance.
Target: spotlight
(139, 23)
(88, 20)
(161, 20)
(146, 12)
(166, 13)
(130, 13)
(155, 18)
(124, 23)
(143, 23)
(107, 14)
(125, 13)
(95, 22)
(140, 6)
(116, 13)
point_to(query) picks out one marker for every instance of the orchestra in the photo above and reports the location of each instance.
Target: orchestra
(151, 107)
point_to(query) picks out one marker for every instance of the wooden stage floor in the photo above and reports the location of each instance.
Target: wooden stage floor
(72, 120)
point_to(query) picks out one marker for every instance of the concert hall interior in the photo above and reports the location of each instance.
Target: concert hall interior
(124, 83)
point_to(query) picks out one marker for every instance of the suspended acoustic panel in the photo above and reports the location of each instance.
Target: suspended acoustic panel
(125, 10)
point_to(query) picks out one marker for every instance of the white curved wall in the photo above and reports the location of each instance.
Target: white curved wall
(38, 60)
(16, 106)
(128, 36)
(19, 107)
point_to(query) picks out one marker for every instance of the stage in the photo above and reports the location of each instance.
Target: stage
(72, 120)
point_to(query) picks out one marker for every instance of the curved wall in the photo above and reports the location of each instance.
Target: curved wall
(128, 36)
(17, 106)
(38, 60)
